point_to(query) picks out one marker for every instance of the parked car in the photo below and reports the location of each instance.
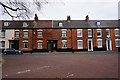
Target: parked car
(12, 51)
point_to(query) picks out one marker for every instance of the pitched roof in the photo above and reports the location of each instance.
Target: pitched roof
(55, 24)
(28, 24)
(86, 24)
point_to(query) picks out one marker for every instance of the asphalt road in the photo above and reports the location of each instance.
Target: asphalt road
(60, 65)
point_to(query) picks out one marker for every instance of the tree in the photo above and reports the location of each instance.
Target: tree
(21, 9)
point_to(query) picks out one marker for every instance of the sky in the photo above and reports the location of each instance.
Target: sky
(77, 9)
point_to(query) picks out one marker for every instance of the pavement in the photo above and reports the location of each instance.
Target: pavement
(62, 65)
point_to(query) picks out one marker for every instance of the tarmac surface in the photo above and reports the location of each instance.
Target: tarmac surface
(61, 65)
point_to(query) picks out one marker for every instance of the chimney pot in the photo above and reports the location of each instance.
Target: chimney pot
(68, 18)
(87, 18)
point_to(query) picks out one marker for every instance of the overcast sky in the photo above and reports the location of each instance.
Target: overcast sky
(78, 9)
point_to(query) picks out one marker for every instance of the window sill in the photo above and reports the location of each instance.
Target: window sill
(80, 48)
(99, 46)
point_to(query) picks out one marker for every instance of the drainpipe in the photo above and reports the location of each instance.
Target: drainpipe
(71, 42)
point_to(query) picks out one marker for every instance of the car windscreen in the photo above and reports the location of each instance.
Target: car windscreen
(9, 49)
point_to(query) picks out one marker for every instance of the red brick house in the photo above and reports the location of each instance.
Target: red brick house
(66, 35)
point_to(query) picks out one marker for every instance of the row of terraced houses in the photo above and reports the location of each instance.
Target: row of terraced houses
(60, 35)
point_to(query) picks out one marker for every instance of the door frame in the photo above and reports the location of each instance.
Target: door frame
(91, 44)
(107, 44)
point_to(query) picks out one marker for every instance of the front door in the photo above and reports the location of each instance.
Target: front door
(108, 44)
(52, 45)
(90, 45)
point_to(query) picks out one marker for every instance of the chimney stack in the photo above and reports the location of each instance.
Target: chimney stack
(87, 18)
(68, 18)
(36, 18)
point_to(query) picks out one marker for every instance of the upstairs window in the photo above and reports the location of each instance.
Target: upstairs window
(99, 33)
(17, 34)
(6, 23)
(107, 32)
(89, 33)
(79, 32)
(116, 32)
(25, 34)
(3, 33)
(39, 33)
(64, 33)
(64, 43)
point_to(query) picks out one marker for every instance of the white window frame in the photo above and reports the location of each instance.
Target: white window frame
(100, 44)
(40, 41)
(6, 23)
(79, 30)
(118, 43)
(79, 47)
(62, 43)
(100, 32)
(64, 32)
(18, 34)
(27, 44)
(109, 32)
(60, 24)
(90, 31)
(41, 34)
(118, 32)
(24, 35)
(3, 33)
(1, 47)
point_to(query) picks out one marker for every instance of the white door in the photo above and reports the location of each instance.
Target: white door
(90, 45)
(108, 44)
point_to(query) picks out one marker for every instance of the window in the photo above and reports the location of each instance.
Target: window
(16, 34)
(99, 33)
(63, 33)
(64, 43)
(79, 33)
(89, 33)
(2, 33)
(117, 41)
(2, 44)
(39, 33)
(80, 44)
(107, 32)
(25, 34)
(25, 44)
(39, 44)
(99, 43)
(116, 32)
(25, 24)
(6, 23)
(60, 24)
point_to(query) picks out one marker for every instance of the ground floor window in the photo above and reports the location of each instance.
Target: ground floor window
(25, 44)
(64, 43)
(117, 41)
(2, 44)
(39, 44)
(80, 44)
(99, 43)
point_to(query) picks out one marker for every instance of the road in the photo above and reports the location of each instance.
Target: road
(70, 65)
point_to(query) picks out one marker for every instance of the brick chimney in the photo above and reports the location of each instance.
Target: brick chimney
(87, 18)
(68, 18)
(36, 18)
